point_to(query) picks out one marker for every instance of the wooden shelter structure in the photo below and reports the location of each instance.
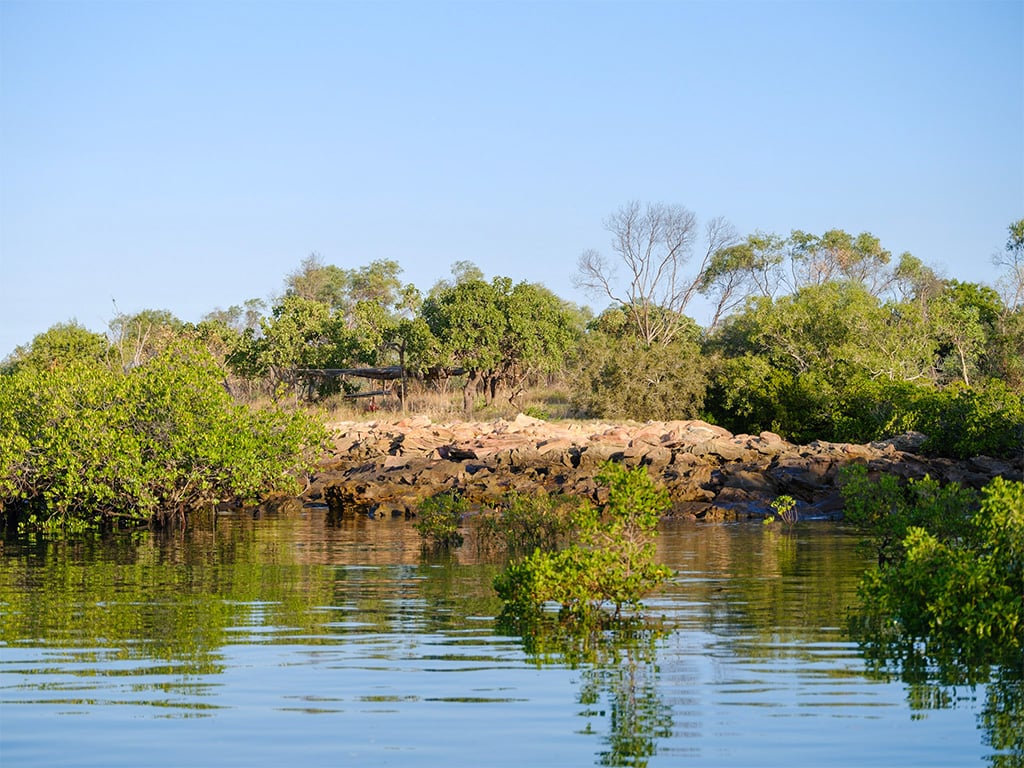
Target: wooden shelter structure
(390, 373)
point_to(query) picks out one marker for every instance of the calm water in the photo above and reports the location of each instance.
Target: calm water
(289, 641)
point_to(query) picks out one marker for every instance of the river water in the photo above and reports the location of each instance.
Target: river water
(294, 640)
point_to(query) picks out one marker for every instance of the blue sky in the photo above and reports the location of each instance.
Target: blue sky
(188, 155)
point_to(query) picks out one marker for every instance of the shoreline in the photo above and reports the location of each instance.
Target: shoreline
(385, 468)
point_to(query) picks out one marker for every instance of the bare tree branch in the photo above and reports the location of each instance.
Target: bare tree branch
(653, 244)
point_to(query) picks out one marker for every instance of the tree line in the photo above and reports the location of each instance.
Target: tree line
(813, 336)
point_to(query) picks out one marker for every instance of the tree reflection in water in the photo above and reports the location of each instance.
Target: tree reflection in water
(618, 665)
(939, 676)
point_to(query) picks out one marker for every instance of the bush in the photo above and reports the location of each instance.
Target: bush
(438, 519)
(887, 508)
(965, 422)
(963, 595)
(525, 523)
(84, 445)
(613, 562)
(622, 378)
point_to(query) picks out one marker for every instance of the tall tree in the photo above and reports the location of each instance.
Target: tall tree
(838, 255)
(316, 281)
(737, 272)
(138, 338)
(469, 324)
(498, 333)
(300, 333)
(653, 245)
(539, 334)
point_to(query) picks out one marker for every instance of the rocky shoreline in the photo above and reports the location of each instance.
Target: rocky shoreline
(383, 469)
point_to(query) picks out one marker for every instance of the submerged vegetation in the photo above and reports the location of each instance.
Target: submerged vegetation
(611, 563)
(950, 570)
(438, 519)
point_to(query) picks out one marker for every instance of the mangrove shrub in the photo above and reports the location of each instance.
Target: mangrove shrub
(82, 444)
(612, 563)
(951, 574)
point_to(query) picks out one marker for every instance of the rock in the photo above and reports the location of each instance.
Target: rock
(522, 421)
(384, 469)
(908, 442)
(455, 453)
(594, 455)
(754, 482)
(724, 448)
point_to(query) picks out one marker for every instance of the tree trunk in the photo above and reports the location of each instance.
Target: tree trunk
(469, 391)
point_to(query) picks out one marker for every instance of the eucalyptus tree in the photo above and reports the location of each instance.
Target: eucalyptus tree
(739, 271)
(768, 265)
(1011, 261)
(139, 337)
(965, 320)
(314, 280)
(654, 246)
(838, 255)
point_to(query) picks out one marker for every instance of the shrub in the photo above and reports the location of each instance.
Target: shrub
(887, 508)
(962, 595)
(438, 519)
(623, 378)
(965, 422)
(612, 563)
(525, 523)
(84, 445)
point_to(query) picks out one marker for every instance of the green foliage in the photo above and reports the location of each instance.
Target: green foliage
(947, 608)
(86, 445)
(524, 523)
(984, 420)
(498, 333)
(60, 345)
(784, 508)
(438, 519)
(620, 376)
(873, 409)
(300, 333)
(137, 338)
(887, 509)
(831, 362)
(958, 587)
(612, 563)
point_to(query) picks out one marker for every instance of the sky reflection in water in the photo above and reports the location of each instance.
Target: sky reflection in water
(288, 640)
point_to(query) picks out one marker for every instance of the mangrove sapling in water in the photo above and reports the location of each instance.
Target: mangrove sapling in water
(785, 507)
(611, 563)
(438, 519)
(523, 523)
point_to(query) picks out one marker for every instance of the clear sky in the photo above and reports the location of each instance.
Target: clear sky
(188, 155)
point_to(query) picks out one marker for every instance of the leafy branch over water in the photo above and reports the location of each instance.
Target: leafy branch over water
(945, 604)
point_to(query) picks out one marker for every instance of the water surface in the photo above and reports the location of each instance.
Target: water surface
(292, 640)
